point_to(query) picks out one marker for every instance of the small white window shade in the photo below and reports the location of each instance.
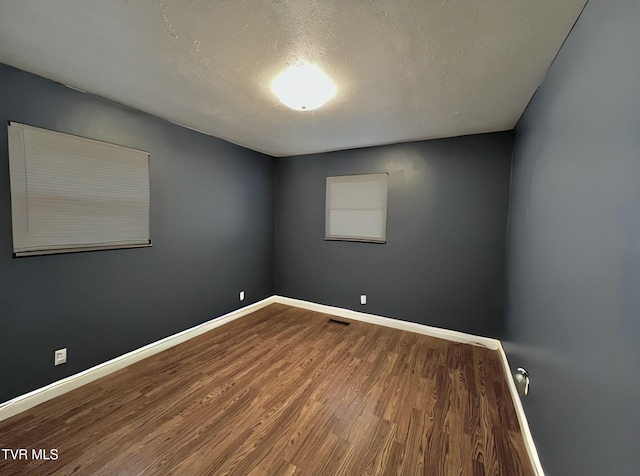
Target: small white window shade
(70, 194)
(356, 208)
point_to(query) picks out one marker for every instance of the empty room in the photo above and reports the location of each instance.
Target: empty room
(286, 237)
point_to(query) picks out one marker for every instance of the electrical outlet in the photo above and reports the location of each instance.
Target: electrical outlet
(242, 295)
(60, 356)
(363, 299)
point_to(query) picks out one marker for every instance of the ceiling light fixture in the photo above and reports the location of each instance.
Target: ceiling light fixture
(303, 87)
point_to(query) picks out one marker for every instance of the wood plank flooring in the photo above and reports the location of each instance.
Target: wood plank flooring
(284, 392)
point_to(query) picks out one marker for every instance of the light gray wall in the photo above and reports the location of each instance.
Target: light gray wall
(211, 226)
(443, 263)
(574, 249)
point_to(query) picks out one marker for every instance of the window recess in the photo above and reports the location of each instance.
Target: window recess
(356, 208)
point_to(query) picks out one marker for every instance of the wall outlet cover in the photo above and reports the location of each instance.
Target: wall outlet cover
(242, 295)
(60, 356)
(363, 299)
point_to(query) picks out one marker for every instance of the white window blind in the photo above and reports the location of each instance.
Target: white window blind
(69, 193)
(356, 208)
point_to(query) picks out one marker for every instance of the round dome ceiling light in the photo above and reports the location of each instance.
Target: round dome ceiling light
(303, 87)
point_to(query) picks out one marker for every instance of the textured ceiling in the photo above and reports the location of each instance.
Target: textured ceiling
(405, 69)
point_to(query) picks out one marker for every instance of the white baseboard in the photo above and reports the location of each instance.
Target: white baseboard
(41, 395)
(454, 336)
(522, 417)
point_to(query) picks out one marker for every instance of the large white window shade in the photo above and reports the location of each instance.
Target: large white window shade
(69, 193)
(356, 208)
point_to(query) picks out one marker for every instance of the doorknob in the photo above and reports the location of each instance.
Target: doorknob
(522, 381)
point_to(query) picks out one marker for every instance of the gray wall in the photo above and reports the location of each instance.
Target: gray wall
(211, 226)
(443, 263)
(574, 249)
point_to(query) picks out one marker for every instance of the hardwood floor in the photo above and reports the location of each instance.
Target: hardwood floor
(283, 392)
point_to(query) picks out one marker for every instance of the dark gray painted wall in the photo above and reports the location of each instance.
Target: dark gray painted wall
(574, 249)
(211, 226)
(443, 263)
